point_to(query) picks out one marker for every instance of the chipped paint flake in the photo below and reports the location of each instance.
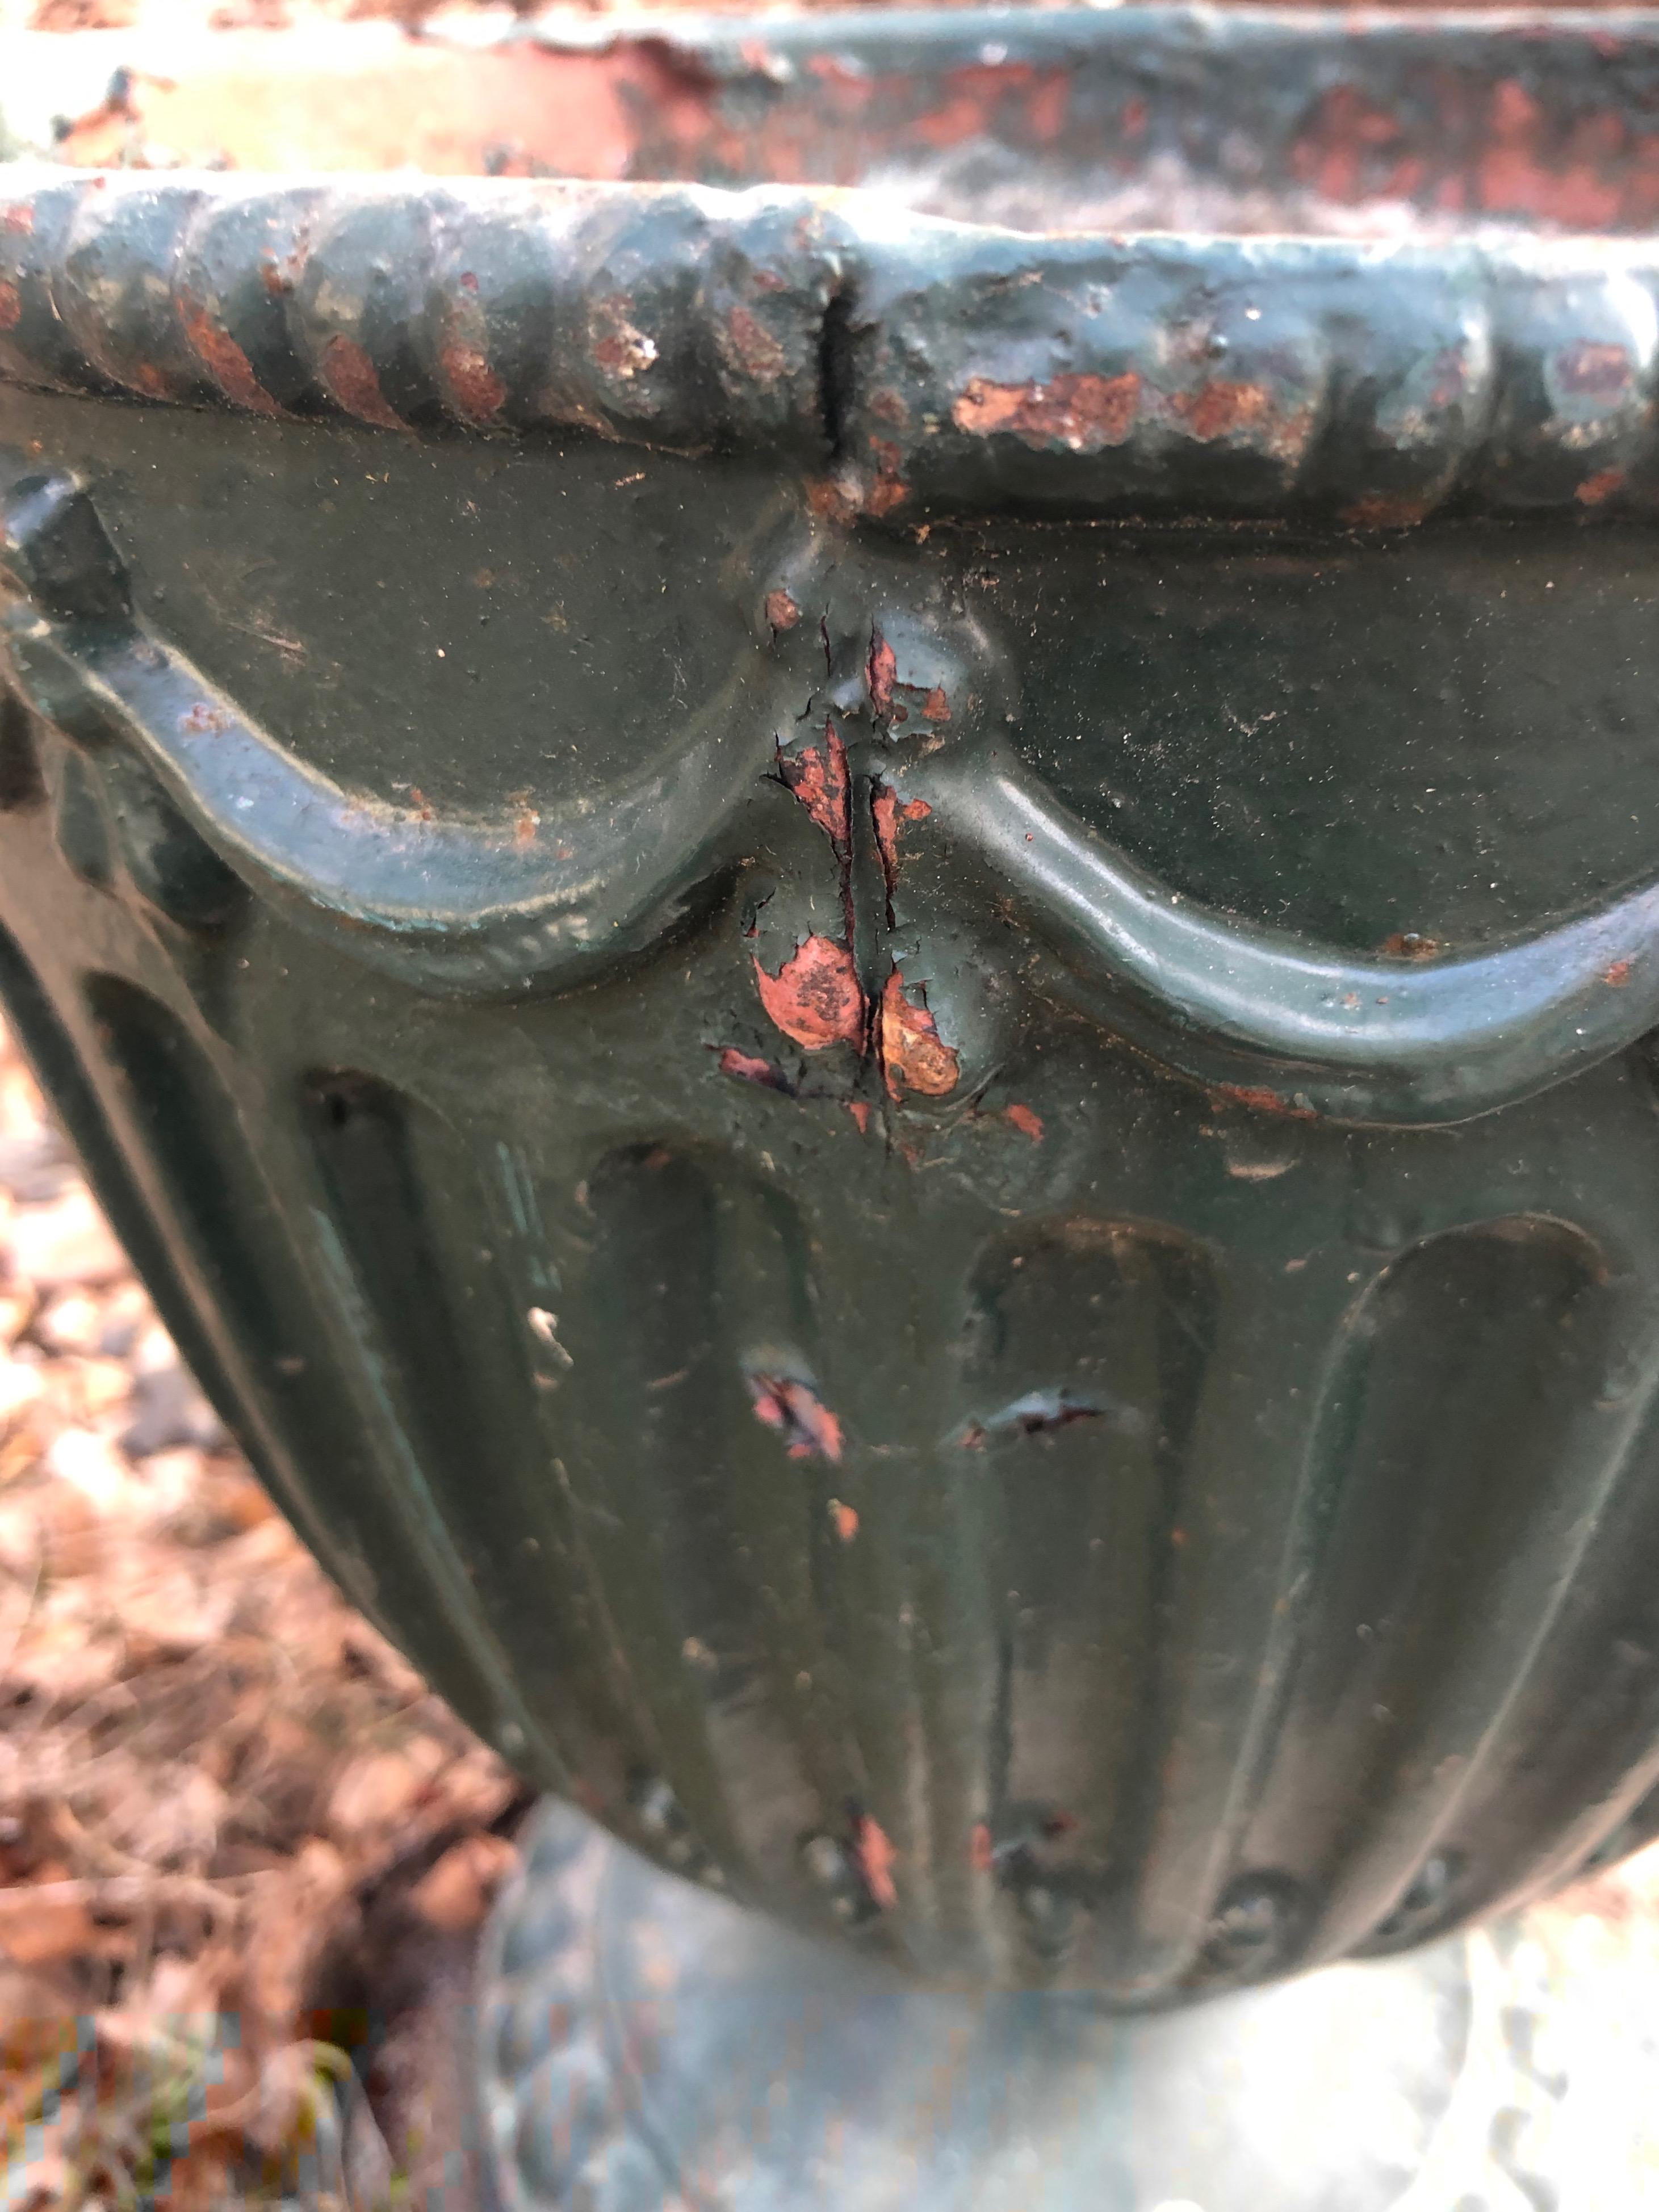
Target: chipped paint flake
(818, 779)
(793, 1408)
(880, 671)
(750, 1067)
(875, 1858)
(1083, 413)
(912, 1054)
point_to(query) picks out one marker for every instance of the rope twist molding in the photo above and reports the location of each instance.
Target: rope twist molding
(908, 365)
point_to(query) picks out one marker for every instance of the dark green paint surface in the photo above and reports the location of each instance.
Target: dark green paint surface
(1250, 1507)
(877, 998)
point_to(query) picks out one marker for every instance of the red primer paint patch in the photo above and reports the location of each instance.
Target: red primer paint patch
(753, 347)
(350, 375)
(1264, 1100)
(749, 1068)
(228, 366)
(982, 1857)
(859, 1108)
(1082, 413)
(1028, 1123)
(1595, 371)
(880, 671)
(883, 814)
(1618, 975)
(11, 306)
(819, 780)
(815, 998)
(479, 393)
(1222, 409)
(875, 1858)
(846, 1520)
(914, 1057)
(793, 1408)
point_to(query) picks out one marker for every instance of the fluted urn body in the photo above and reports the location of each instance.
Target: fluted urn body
(869, 971)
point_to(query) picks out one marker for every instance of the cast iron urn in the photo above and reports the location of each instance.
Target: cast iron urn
(869, 972)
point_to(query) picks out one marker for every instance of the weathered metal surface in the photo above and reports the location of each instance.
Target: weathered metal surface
(879, 998)
(917, 367)
(1234, 118)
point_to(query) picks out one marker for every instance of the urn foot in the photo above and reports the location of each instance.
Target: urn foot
(645, 2046)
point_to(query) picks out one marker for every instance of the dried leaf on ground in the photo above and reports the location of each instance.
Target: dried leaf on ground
(207, 1759)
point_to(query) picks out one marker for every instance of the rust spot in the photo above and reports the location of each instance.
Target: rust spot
(875, 1857)
(1595, 371)
(478, 391)
(11, 306)
(814, 998)
(279, 277)
(1618, 975)
(888, 407)
(205, 720)
(1263, 1101)
(757, 352)
(350, 377)
(1083, 413)
(526, 823)
(835, 499)
(861, 1110)
(846, 1520)
(1028, 1123)
(619, 349)
(936, 707)
(145, 377)
(781, 612)
(1221, 410)
(20, 216)
(818, 779)
(887, 491)
(225, 362)
(793, 1408)
(880, 670)
(1386, 511)
(419, 804)
(981, 1855)
(749, 1068)
(913, 1056)
(1602, 485)
(1410, 944)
